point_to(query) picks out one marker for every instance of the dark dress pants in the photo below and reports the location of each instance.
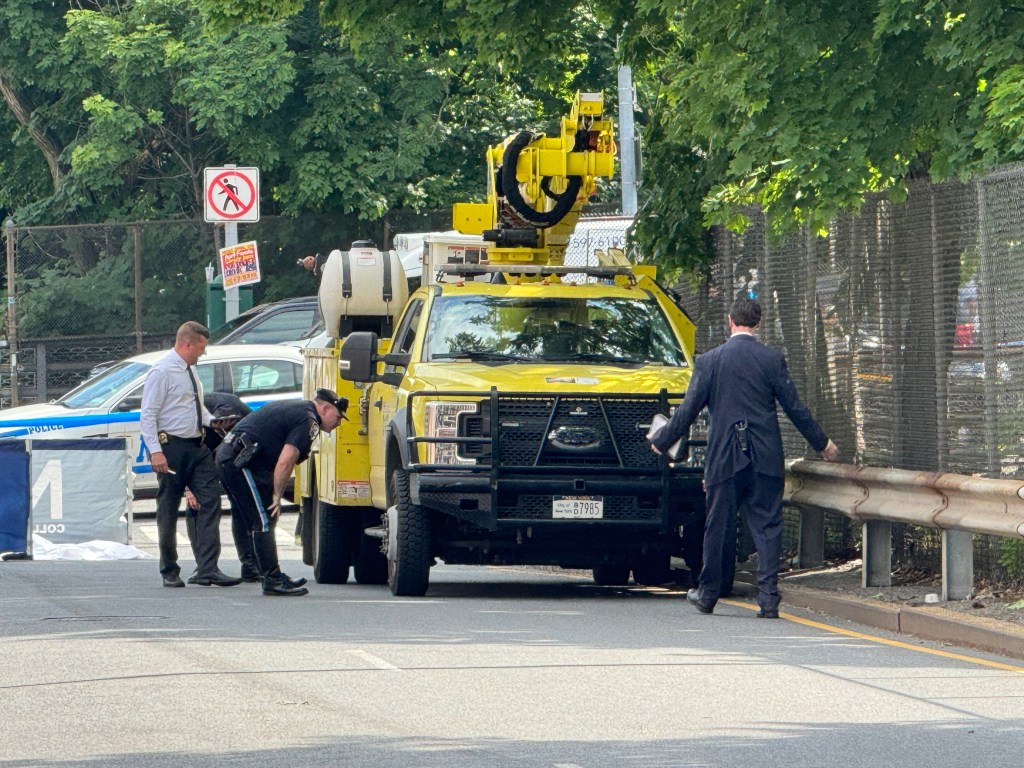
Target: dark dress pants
(193, 465)
(759, 498)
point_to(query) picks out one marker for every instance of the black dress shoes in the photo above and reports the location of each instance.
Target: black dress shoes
(767, 613)
(290, 582)
(173, 581)
(693, 596)
(217, 579)
(277, 586)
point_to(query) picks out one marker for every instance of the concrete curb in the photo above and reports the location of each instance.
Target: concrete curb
(937, 624)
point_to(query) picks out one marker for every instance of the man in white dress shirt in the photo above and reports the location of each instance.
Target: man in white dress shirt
(172, 420)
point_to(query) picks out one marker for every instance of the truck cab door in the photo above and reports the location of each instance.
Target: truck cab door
(386, 400)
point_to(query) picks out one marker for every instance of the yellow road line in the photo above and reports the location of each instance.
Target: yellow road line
(885, 641)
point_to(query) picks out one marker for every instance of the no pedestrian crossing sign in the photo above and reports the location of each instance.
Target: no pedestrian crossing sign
(231, 194)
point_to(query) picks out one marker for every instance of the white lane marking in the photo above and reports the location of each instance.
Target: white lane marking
(375, 661)
(565, 765)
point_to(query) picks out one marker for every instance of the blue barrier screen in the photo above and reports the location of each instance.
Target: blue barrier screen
(15, 499)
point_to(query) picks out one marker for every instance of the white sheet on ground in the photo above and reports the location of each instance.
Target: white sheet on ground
(42, 549)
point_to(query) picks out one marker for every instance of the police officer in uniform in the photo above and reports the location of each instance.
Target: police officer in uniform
(256, 462)
(172, 420)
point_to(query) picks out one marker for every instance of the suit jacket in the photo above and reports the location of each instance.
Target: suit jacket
(741, 381)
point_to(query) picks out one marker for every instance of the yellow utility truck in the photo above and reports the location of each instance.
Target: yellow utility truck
(500, 411)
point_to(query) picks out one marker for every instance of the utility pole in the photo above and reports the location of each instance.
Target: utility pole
(627, 145)
(12, 325)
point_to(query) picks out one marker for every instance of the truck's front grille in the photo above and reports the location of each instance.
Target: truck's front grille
(606, 431)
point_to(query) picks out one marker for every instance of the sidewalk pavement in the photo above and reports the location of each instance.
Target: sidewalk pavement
(897, 614)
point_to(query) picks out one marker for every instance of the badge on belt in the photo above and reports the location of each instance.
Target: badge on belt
(162, 437)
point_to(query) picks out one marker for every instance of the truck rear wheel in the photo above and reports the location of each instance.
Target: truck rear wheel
(332, 543)
(611, 575)
(371, 565)
(409, 563)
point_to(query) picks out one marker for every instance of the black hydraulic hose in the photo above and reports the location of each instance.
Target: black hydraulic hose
(540, 219)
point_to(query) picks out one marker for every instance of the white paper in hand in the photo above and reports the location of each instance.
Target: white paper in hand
(657, 424)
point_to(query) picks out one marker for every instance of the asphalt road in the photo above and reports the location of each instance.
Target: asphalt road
(102, 666)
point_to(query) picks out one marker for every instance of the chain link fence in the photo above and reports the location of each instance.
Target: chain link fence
(904, 330)
(87, 294)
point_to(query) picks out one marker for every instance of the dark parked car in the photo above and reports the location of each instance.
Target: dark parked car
(272, 323)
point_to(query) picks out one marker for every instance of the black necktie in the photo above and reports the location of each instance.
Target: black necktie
(195, 392)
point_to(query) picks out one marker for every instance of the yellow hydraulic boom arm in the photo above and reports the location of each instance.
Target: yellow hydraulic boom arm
(537, 184)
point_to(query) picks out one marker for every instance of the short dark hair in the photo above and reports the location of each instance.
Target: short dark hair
(191, 331)
(745, 312)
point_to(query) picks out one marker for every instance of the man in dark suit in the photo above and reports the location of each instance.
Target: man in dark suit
(740, 383)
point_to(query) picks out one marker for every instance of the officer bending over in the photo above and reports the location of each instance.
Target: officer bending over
(256, 462)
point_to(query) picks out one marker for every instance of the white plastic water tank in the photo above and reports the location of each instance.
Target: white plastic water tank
(355, 283)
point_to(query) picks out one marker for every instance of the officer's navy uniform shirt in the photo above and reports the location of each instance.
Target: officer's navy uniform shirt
(741, 380)
(169, 402)
(278, 424)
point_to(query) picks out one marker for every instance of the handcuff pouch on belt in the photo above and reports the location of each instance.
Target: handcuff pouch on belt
(247, 449)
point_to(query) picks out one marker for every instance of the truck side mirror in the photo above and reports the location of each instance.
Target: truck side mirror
(358, 359)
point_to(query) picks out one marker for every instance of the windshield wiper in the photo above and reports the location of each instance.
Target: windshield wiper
(481, 354)
(598, 357)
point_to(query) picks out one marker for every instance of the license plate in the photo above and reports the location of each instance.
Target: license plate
(578, 507)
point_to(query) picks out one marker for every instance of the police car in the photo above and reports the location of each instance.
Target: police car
(108, 404)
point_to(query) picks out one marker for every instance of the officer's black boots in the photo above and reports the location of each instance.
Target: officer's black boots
(274, 581)
(243, 545)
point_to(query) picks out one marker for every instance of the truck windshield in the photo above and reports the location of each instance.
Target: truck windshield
(97, 390)
(512, 329)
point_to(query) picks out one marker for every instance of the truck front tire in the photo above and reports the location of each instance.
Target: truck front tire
(371, 565)
(409, 564)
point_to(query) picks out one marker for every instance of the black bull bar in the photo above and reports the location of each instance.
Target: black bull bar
(510, 457)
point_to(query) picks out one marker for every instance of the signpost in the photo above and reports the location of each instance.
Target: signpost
(232, 195)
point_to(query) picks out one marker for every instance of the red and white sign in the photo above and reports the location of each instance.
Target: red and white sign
(231, 194)
(240, 264)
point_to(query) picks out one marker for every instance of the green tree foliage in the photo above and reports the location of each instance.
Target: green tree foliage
(372, 105)
(116, 107)
(802, 107)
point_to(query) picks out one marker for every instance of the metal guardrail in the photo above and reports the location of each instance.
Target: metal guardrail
(930, 499)
(958, 505)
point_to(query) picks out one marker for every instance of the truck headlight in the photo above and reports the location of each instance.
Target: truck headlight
(696, 455)
(441, 419)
